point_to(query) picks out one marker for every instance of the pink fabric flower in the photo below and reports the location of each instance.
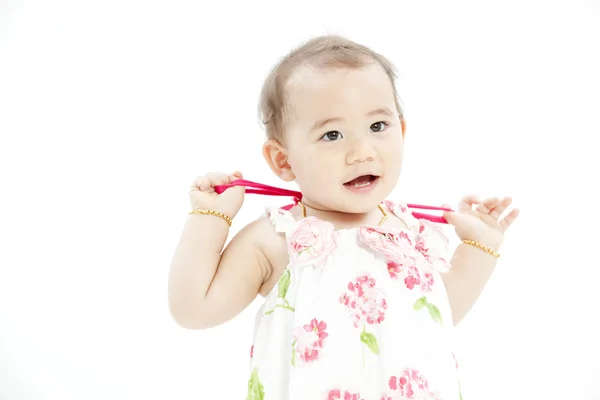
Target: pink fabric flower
(309, 340)
(411, 385)
(337, 394)
(432, 245)
(394, 245)
(365, 301)
(312, 242)
(396, 208)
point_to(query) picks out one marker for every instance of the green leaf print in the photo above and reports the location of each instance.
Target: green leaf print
(370, 340)
(434, 312)
(282, 288)
(420, 303)
(256, 390)
(284, 284)
(294, 353)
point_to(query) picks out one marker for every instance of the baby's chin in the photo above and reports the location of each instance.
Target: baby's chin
(352, 199)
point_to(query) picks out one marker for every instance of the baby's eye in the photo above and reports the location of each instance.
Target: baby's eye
(332, 135)
(379, 126)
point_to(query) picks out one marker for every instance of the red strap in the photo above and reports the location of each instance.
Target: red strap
(259, 188)
(428, 207)
(432, 218)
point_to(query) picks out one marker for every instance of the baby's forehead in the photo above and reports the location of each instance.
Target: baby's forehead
(308, 74)
(306, 78)
(313, 90)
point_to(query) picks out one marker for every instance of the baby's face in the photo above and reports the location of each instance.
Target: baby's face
(343, 124)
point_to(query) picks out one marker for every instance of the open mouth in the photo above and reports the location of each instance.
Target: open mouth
(362, 181)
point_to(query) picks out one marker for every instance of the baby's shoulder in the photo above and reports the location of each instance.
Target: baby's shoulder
(259, 231)
(263, 236)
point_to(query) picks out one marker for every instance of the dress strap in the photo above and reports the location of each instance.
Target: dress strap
(283, 221)
(401, 211)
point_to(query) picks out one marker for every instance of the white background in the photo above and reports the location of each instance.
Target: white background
(108, 110)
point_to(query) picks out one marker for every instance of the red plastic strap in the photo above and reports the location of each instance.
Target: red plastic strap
(259, 188)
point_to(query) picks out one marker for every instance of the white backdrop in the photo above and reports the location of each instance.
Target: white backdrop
(109, 109)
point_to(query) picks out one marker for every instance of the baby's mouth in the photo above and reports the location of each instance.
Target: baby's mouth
(361, 181)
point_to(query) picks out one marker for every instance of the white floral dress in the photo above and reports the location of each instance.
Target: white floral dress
(358, 314)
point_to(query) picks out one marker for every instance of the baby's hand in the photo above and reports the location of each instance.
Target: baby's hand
(486, 222)
(203, 195)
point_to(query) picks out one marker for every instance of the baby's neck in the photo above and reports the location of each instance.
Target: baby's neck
(340, 219)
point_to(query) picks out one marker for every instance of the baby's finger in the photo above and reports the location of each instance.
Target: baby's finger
(497, 211)
(487, 205)
(507, 221)
(202, 183)
(218, 178)
(234, 176)
(467, 202)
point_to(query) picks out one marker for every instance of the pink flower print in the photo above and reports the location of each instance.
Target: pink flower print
(422, 248)
(365, 301)
(394, 269)
(252, 351)
(420, 245)
(308, 341)
(367, 305)
(413, 277)
(337, 394)
(312, 242)
(393, 245)
(317, 327)
(411, 385)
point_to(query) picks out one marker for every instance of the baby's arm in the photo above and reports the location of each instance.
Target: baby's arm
(243, 269)
(465, 273)
(208, 287)
(470, 272)
(472, 267)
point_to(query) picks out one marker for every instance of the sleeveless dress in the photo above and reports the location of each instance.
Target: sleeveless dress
(358, 314)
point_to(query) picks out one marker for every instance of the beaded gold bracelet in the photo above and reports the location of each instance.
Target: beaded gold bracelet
(482, 247)
(213, 213)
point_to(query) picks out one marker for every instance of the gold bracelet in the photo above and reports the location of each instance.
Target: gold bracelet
(213, 213)
(482, 247)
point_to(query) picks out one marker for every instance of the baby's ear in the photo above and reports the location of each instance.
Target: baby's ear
(403, 124)
(276, 156)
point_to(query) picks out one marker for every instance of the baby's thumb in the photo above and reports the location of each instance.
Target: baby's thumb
(449, 216)
(236, 175)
